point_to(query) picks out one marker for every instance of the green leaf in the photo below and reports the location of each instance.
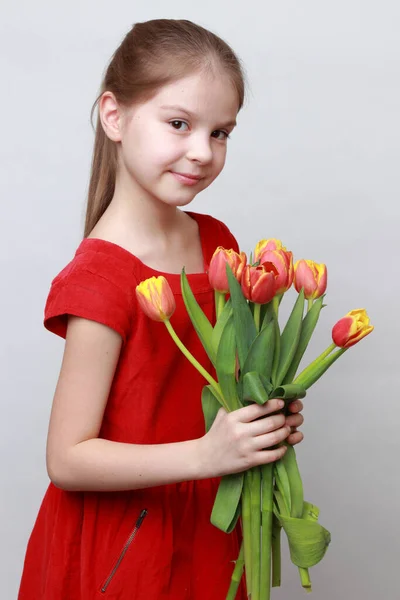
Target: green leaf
(308, 540)
(220, 324)
(307, 329)
(290, 338)
(253, 388)
(296, 485)
(243, 319)
(210, 406)
(266, 314)
(200, 322)
(310, 511)
(261, 352)
(289, 391)
(320, 369)
(226, 365)
(226, 509)
(283, 484)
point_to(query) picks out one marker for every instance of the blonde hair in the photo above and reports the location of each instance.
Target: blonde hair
(152, 54)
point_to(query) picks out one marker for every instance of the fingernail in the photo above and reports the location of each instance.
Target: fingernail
(281, 404)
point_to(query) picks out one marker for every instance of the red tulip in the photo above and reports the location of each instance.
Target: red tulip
(271, 250)
(259, 283)
(351, 328)
(156, 298)
(311, 276)
(217, 270)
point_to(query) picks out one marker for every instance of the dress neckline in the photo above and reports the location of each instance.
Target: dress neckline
(102, 244)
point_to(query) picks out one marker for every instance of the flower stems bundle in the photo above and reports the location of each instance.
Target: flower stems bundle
(255, 361)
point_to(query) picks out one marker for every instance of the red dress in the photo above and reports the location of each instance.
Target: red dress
(156, 543)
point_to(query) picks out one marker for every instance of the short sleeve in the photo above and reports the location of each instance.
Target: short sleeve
(93, 286)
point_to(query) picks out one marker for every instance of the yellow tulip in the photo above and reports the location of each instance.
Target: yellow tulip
(156, 298)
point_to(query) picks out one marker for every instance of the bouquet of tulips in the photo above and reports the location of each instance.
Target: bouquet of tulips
(256, 360)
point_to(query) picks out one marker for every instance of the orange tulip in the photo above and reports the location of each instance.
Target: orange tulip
(259, 283)
(271, 250)
(311, 276)
(217, 269)
(351, 328)
(156, 298)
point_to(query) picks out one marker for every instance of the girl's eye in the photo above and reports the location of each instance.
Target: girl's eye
(177, 125)
(219, 132)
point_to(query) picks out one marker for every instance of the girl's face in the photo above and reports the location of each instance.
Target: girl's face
(174, 145)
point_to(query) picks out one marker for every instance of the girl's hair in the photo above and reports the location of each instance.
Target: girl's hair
(152, 54)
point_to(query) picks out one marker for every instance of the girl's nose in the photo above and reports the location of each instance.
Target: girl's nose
(200, 149)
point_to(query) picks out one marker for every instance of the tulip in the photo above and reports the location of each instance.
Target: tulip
(311, 276)
(156, 298)
(351, 328)
(269, 244)
(271, 250)
(259, 283)
(217, 269)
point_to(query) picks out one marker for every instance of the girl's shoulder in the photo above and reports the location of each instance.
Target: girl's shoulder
(98, 283)
(215, 232)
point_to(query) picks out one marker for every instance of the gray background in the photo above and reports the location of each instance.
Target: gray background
(314, 161)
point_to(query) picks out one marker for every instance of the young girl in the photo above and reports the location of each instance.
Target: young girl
(133, 474)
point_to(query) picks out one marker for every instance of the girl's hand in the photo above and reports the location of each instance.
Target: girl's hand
(243, 439)
(294, 421)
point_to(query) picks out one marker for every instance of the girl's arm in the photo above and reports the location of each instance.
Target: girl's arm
(78, 460)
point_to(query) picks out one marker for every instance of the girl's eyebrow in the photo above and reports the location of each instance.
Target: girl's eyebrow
(190, 114)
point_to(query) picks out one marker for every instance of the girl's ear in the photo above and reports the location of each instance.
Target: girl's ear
(110, 116)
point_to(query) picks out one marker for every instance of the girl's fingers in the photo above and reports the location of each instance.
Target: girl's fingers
(255, 411)
(271, 439)
(295, 406)
(268, 456)
(294, 420)
(295, 438)
(267, 424)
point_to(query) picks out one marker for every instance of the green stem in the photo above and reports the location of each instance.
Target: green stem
(276, 554)
(305, 579)
(275, 363)
(236, 575)
(309, 304)
(255, 533)
(267, 494)
(257, 312)
(195, 363)
(246, 528)
(220, 300)
(303, 375)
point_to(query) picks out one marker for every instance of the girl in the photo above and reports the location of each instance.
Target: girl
(133, 476)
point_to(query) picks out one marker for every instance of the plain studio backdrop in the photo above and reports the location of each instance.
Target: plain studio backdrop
(314, 161)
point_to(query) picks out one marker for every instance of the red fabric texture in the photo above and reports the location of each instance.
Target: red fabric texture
(75, 549)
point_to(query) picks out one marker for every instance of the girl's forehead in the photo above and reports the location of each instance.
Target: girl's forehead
(199, 93)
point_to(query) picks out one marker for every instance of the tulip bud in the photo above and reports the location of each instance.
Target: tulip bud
(311, 276)
(156, 298)
(259, 283)
(217, 269)
(269, 244)
(282, 259)
(351, 328)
